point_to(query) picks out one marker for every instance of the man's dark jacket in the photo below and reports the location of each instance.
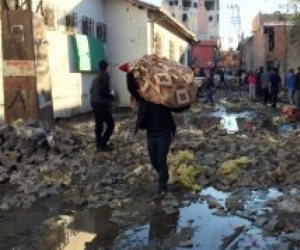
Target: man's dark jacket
(100, 91)
(155, 118)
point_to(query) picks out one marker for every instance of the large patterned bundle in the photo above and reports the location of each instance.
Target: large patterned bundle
(163, 81)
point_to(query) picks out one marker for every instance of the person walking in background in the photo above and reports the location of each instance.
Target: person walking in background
(200, 73)
(298, 89)
(208, 86)
(275, 81)
(291, 85)
(252, 85)
(259, 81)
(101, 102)
(265, 85)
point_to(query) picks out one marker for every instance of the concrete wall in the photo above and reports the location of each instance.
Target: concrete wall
(90, 8)
(167, 36)
(198, 18)
(259, 49)
(127, 36)
(70, 89)
(1, 79)
(293, 49)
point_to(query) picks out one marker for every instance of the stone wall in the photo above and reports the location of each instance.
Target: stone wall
(293, 55)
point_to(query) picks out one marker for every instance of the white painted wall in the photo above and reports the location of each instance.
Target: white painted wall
(127, 40)
(1, 79)
(70, 89)
(167, 36)
(90, 8)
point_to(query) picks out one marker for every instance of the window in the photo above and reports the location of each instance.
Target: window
(176, 3)
(101, 31)
(186, 3)
(209, 5)
(157, 44)
(87, 25)
(171, 50)
(210, 18)
(71, 20)
(195, 5)
(184, 17)
(181, 54)
(171, 3)
(173, 15)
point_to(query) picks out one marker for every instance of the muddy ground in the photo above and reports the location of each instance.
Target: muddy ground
(231, 190)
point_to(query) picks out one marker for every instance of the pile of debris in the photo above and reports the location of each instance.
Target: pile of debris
(33, 159)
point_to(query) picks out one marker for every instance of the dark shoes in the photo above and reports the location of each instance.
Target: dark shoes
(160, 195)
(105, 148)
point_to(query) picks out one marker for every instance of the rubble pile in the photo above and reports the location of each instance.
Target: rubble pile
(33, 159)
(39, 161)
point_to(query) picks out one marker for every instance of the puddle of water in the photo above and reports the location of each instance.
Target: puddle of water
(216, 195)
(196, 223)
(258, 199)
(206, 231)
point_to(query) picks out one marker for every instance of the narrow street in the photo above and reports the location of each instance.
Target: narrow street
(232, 189)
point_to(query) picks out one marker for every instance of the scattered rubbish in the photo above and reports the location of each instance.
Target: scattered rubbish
(289, 112)
(230, 124)
(232, 166)
(285, 130)
(184, 170)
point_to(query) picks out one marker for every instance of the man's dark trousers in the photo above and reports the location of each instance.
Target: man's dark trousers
(274, 98)
(158, 147)
(265, 95)
(103, 116)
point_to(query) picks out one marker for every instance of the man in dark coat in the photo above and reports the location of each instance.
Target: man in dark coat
(275, 81)
(101, 102)
(208, 86)
(158, 121)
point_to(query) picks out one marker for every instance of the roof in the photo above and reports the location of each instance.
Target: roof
(163, 16)
(207, 43)
(278, 23)
(140, 3)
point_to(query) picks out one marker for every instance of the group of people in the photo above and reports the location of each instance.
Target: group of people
(208, 83)
(266, 83)
(156, 119)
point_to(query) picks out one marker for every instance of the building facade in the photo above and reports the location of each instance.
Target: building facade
(80, 33)
(200, 16)
(139, 29)
(268, 46)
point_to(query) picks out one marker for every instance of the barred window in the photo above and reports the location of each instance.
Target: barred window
(101, 31)
(87, 26)
(157, 44)
(181, 54)
(71, 20)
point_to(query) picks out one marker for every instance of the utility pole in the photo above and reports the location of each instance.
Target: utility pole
(236, 19)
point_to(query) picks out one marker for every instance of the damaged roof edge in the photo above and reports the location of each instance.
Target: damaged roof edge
(181, 28)
(140, 3)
